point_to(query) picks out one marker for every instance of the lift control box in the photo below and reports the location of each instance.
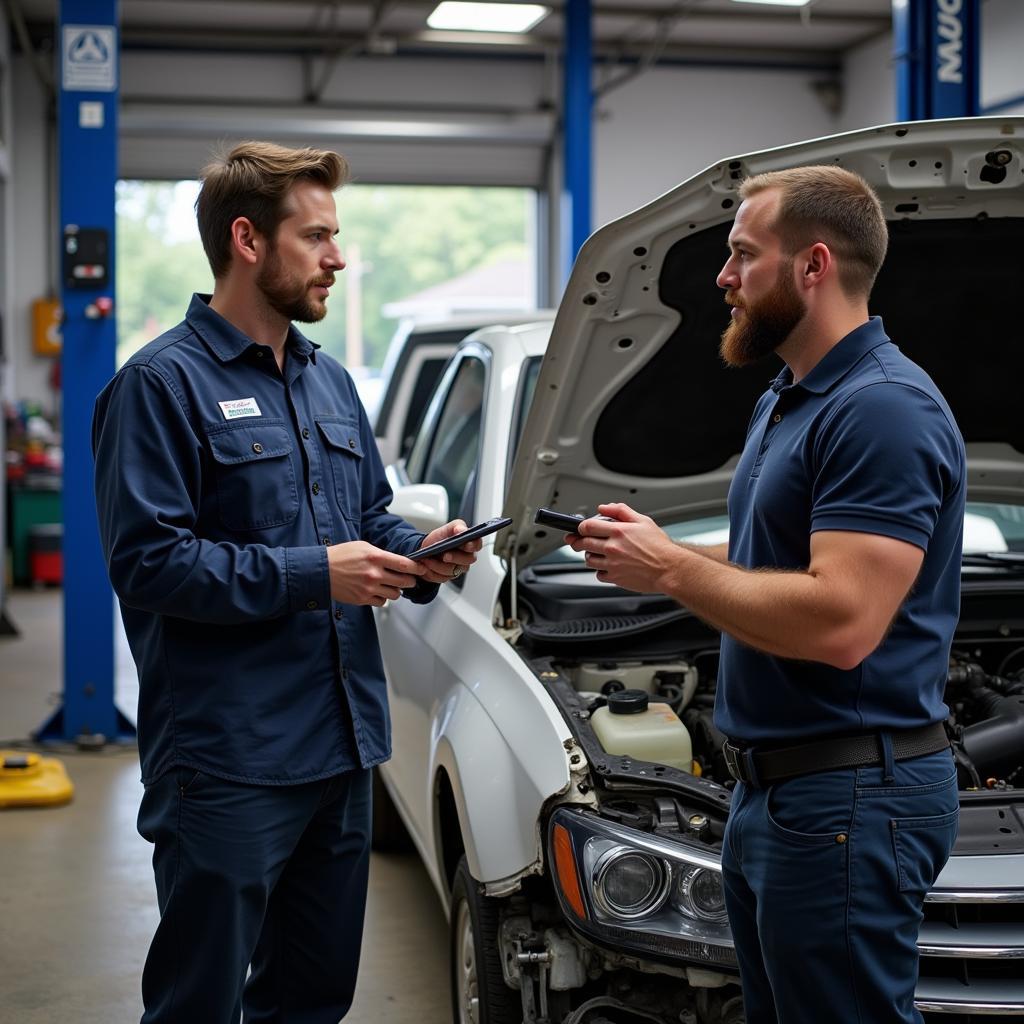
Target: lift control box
(86, 257)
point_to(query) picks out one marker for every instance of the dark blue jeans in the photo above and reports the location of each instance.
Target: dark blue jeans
(825, 878)
(272, 876)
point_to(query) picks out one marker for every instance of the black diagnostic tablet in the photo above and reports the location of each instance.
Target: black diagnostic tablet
(473, 533)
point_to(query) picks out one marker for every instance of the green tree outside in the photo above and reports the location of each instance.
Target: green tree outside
(410, 237)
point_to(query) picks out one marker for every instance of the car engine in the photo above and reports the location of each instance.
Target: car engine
(986, 721)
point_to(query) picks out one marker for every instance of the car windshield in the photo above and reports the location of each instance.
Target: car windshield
(988, 527)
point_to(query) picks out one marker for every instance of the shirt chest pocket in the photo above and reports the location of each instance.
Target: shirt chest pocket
(345, 457)
(255, 475)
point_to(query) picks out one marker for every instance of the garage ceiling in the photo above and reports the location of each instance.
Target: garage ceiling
(434, 132)
(662, 30)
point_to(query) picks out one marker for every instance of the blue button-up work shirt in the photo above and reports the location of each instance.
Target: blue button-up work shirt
(866, 443)
(219, 483)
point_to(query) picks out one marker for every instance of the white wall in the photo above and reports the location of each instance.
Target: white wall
(29, 272)
(1002, 39)
(869, 86)
(6, 206)
(6, 285)
(660, 128)
(378, 81)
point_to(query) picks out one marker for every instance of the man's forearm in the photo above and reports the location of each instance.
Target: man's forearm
(716, 552)
(788, 614)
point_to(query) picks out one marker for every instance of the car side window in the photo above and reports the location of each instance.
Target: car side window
(449, 454)
(426, 381)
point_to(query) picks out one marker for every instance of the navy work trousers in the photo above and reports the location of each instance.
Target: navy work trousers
(268, 876)
(825, 877)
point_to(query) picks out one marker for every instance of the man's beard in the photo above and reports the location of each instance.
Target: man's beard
(765, 325)
(286, 295)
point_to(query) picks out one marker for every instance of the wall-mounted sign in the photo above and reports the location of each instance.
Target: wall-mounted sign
(90, 58)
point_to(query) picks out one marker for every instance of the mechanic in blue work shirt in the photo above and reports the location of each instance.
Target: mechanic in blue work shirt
(837, 597)
(244, 517)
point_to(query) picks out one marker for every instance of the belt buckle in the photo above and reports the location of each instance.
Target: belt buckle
(734, 762)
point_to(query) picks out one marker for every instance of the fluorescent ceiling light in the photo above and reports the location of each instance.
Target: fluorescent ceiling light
(776, 3)
(486, 17)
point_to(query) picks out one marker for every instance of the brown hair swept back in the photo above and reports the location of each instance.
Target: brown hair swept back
(828, 204)
(252, 181)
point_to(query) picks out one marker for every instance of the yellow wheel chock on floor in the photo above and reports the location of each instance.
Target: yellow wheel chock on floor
(29, 780)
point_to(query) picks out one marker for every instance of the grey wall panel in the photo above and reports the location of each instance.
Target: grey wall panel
(393, 163)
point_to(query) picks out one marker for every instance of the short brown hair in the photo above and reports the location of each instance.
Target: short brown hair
(828, 204)
(252, 181)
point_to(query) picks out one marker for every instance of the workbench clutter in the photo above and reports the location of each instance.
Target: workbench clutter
(31, 780)
(34, 463)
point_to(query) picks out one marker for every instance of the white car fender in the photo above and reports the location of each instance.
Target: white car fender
(497, 796)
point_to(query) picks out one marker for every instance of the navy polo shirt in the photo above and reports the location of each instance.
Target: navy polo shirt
(863, 443)
(219, 482)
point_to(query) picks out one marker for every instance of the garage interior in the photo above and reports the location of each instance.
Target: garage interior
(669, 87)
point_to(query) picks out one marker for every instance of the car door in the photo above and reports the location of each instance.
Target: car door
(445, 452)
(409, 390)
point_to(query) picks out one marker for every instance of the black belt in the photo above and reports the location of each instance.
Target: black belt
(761, 767)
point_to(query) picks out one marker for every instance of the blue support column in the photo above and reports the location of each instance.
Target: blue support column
(937, 58)
(577, 108)
(87, 74)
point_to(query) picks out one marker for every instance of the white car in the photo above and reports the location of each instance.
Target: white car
(415, 358)
(584, 886)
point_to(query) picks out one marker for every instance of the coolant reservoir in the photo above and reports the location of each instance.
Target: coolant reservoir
(649, 732)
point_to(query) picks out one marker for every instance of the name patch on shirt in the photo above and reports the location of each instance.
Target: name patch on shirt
(239, 407)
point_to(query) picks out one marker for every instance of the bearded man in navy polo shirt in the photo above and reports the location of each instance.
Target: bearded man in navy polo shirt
(837, 596)
(243, 514)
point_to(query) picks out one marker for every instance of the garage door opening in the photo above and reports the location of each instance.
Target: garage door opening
(412, 252)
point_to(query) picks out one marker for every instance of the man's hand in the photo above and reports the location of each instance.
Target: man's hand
(632, 552)
(452, 564)
(364, 574)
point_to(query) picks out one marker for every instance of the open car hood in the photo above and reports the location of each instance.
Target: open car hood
(633, 402)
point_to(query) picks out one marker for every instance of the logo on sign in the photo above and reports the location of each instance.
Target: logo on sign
(950, 28)
(90, 58)
(88, 48)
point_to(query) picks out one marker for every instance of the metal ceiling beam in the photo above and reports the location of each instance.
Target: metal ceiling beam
(297, 43)
(618, 10)
(363, 108)
(192, 120)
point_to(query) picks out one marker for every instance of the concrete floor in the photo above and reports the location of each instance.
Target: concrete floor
(77, 901)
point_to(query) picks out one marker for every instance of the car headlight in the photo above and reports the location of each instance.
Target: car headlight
(633, 891)
(699, 893)
(629, 885)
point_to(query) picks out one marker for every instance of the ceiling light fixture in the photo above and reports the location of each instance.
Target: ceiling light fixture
(776, 3)
(486, 17)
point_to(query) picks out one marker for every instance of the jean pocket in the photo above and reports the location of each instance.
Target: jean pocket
(187, 778)
(917, 791)
(812, 810)
(922, 847)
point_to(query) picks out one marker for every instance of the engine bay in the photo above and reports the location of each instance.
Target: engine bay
(986, 722)
(648, 644)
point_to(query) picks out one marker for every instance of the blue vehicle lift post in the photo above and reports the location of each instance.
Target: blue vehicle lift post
(87, 78)
(937, 44)
(577, 111)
